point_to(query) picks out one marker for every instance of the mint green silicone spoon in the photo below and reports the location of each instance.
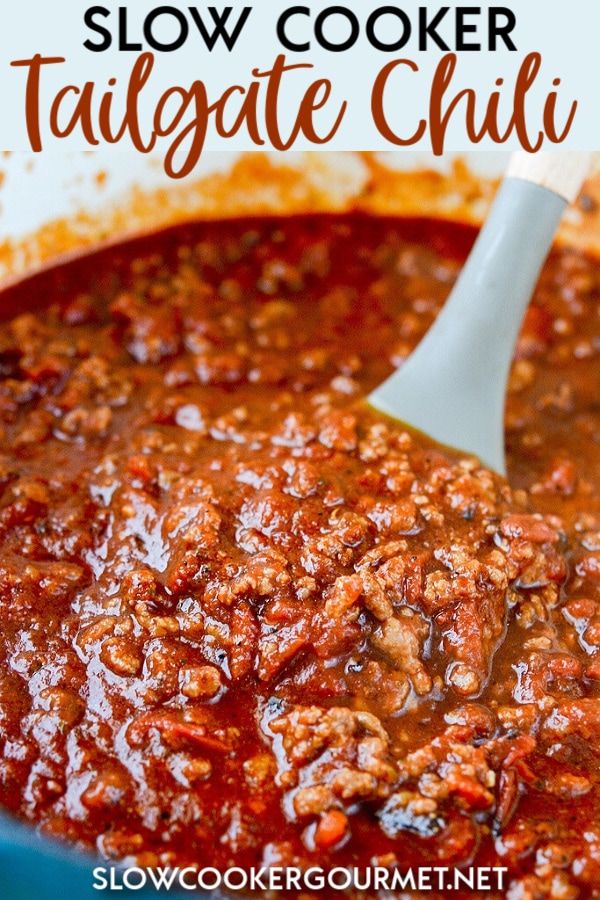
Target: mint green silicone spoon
(453, 386)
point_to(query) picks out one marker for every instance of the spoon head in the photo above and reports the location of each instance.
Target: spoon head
(453, 386)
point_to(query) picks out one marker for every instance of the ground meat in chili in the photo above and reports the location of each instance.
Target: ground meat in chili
(245, 619)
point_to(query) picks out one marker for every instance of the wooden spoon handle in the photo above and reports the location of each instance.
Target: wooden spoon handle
(562, 173)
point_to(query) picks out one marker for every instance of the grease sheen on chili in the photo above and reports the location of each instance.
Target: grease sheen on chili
(244, 620)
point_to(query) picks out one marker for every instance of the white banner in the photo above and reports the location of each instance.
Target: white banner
(183, 78)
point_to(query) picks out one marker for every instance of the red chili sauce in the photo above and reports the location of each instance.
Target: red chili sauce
(244, 619)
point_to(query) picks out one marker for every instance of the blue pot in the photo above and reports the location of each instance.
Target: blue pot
(33, 868)
(36, 868)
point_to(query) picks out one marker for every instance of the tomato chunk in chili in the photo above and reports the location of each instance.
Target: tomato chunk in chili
(244, 619)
